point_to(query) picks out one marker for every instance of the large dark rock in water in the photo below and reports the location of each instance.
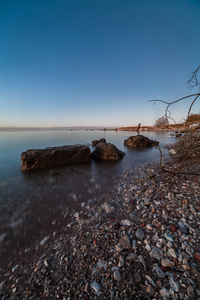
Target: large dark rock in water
(95, 142)
(53, 157)
(139, 141)
(107, 151)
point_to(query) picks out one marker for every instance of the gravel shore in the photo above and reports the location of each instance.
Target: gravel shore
(141, 242)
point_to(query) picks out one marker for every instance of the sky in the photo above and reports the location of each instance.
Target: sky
(95, 62)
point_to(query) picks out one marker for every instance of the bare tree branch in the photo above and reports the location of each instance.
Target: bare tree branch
(193, 81)
(168, 112)
(190, 109)
(187, 149)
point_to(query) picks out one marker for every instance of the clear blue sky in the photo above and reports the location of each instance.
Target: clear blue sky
(95, 62)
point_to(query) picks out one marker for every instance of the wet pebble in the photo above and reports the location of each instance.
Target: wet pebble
(125, 242)
(159, 272)
(169, 237)
(116, 274)
(197, 256)
(167, 263)
(185, 265)
(131, 256)
(140, 234)
(174, 284)
(172, 253)
(149, 227)
(121, 261)
(141, 259)
(156, 253)
(126, 222)
(190, 291)
(149, 291)
(96, 287)
(151, 281)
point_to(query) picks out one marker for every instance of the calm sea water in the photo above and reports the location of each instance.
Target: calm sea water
(31, 203)
(13, 143)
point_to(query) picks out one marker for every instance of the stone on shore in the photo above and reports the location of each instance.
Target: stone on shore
(54, 157)
(96, 142)
(107, 151)
(139, 141)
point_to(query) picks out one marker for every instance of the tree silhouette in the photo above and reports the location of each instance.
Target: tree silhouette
(187, 149)
(192, 82)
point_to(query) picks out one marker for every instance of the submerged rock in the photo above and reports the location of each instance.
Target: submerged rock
(108, 208)
(53, 157)
(107, 151)
(96, 142)
(139, 141)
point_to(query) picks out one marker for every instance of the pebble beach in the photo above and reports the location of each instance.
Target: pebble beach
(141, 241)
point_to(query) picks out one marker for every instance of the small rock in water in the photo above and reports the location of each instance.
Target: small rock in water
(3, 237)
(44, 240)
(76, 215)
(108, 208)
(15, 268)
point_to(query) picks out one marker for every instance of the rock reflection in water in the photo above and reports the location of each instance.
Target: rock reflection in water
(48, 200)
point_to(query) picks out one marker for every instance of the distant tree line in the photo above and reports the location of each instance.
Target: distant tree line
(161, 122)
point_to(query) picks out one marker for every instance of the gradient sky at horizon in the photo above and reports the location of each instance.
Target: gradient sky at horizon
(95, 63)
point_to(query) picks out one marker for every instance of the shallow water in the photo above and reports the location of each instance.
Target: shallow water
(31, 203)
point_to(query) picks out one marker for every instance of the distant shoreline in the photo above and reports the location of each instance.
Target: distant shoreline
(170, 127)
(130, 128)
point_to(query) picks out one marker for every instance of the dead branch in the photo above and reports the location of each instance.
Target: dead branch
(168, 112)
(193, 81)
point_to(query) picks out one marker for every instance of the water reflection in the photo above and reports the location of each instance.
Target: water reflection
(33, 204)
